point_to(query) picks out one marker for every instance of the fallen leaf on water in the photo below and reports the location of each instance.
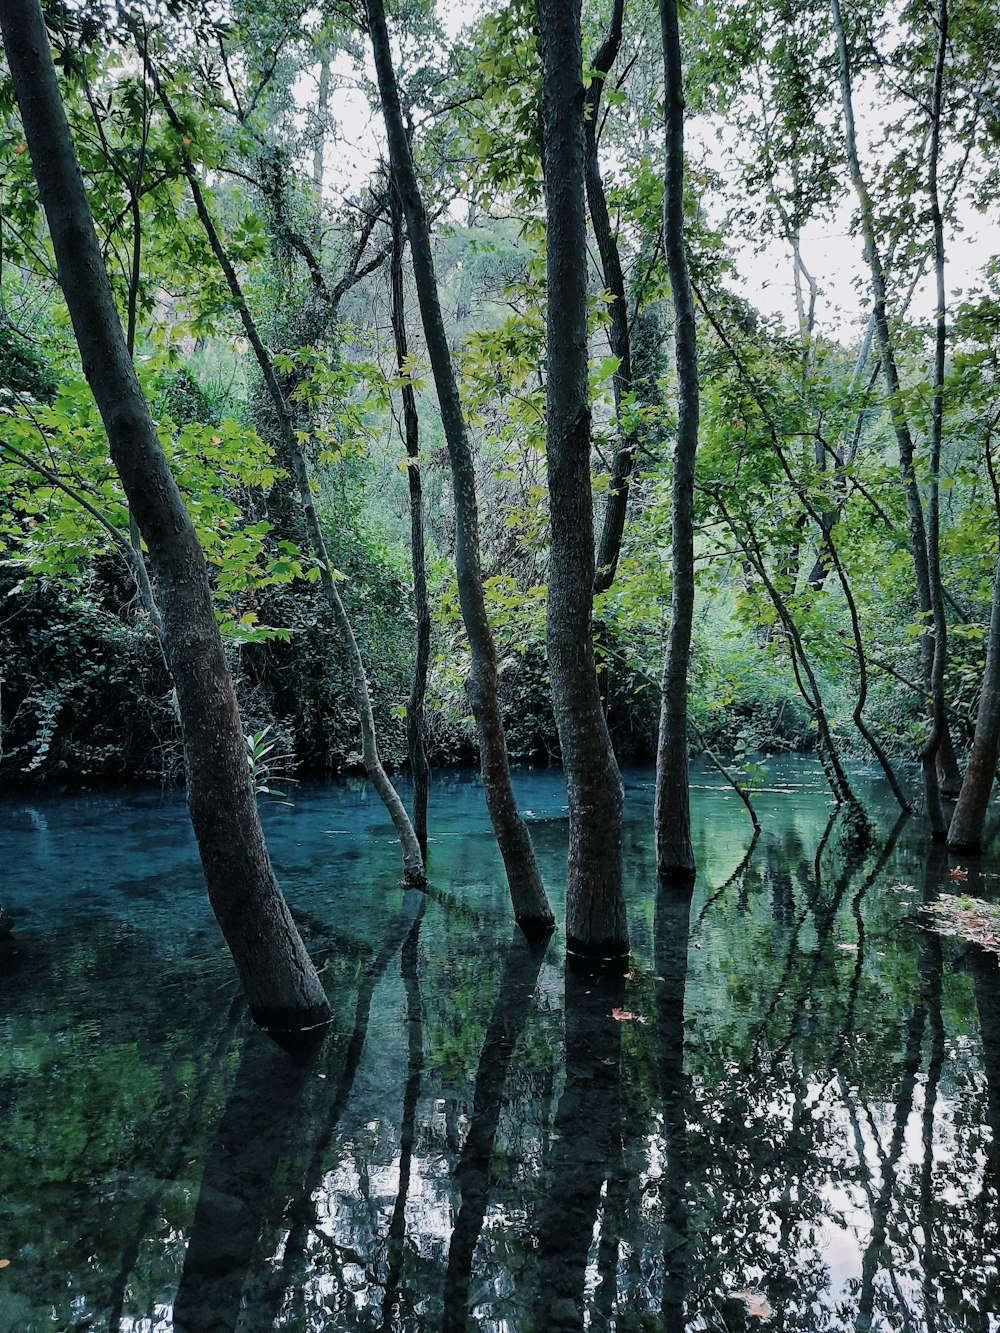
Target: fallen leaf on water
(4, 1263)
(969, 918)
(902, 888)
(958, 873)
(630, 974)
(758, 1306)
(624, 1016)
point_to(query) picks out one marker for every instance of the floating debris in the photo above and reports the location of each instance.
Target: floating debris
(967, 918)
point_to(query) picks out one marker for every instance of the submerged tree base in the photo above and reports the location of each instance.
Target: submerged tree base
(297, 1033)
(679, 875)
(536, 929)
(602, 956)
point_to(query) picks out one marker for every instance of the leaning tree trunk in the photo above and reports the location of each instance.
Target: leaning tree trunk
(294, 456)
(531, 907)
(596, 926)
(616, 506)
(415, 724)
(929, 597)
(672, 817)
(284, 991)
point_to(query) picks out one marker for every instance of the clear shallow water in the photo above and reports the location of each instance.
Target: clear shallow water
(800, 1136)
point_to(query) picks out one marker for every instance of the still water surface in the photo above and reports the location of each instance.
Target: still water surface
(797, 1128)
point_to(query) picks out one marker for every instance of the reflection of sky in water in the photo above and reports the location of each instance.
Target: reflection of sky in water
(833, 1089)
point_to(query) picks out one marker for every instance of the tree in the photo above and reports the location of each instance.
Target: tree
(924, 544)
(298, 465)
(596, 927)
(415, 708)
(531, 907)
(674, 852)
(280, 981)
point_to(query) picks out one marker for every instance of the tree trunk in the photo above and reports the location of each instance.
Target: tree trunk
(672, 817)
(284, 991)
(929, 600)
(531, 908)
(411, 431)
(965, 833)
(615, 508)
(595, 904)
(939, 743)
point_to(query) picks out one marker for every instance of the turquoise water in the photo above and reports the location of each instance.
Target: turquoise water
(795, 1129)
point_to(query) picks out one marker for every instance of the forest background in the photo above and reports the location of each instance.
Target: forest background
(846, 489)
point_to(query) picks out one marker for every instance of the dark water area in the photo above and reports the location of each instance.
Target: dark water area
(792, 1123)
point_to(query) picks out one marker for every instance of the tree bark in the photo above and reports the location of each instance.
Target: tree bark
(284, 991)
(411, 434)
(965, 833)
(672, 815)
(616, 506)
(531, 908)
(939, 743)
(596, 926)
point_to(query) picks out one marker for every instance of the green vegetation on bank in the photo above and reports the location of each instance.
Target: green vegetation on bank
(809, 625)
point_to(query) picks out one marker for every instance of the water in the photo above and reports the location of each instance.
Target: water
(800, 1135)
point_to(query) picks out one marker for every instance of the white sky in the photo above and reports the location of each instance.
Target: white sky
(833, 256)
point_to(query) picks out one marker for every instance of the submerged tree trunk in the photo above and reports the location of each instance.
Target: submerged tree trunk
(411, 434)
(595, 904)
(294, 456)
(531, 907)
(674, 852)
(284, 991)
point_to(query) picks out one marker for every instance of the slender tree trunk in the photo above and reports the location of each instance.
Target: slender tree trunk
(832, 561)
(615, 508)
(411, 432)
(805, 677)
(929, 602)
(595, 903)
(674, 852)
(531, 907)
(322, 111)
(284, 991)
(296, 461)
(966, 830)
(939, 743)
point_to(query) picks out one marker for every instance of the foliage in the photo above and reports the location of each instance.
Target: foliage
(803, 528)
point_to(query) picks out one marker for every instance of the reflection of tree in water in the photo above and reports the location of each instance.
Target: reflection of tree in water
(803, 1116)
(272, 1141)
(395, 1304)
(473, 1175)
(673, 917)
(100, 1112)
(804, 1137)
(584, 1153)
